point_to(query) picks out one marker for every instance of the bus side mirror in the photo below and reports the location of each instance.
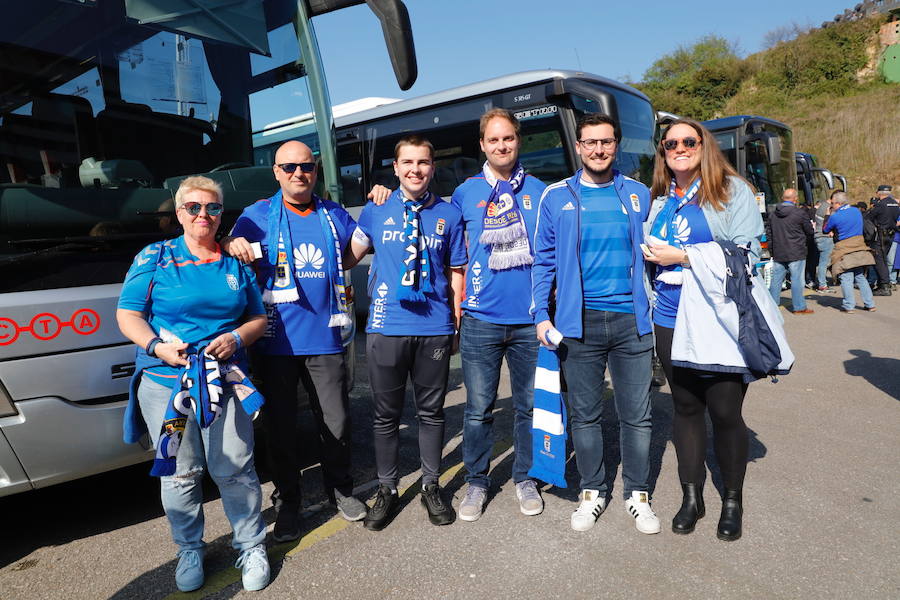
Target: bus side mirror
(399, 39)
(773, 148)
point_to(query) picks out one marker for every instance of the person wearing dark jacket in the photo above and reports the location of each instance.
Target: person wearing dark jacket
(790, 230)
(884, 213)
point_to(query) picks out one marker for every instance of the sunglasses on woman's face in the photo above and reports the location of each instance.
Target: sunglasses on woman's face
(307, 167)
(213, 209)
(689, 142)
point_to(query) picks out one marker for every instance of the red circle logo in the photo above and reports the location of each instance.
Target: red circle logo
(45, 326)
(9, 331)
(85, 321)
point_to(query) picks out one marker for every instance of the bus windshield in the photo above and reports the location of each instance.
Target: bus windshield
(100, 119)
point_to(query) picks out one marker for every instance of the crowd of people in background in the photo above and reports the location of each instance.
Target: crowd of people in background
(855, 243)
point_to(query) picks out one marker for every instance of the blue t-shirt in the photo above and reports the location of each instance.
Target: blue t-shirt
(605, 248)
(847, 220)
(299, 328)
(382, 227)
(502, 297)
(186, 299)
(691, 228)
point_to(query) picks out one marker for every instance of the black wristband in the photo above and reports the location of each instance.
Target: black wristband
(151, 346)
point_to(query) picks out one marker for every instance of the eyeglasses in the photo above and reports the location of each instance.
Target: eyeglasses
(605, 143)
(689, 142)
(307, 167)
(213, 209)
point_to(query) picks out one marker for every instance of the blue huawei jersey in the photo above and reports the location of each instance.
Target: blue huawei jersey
(691, 227)
(186, 299)
(299, 328)
(441, 223)
(501, 297)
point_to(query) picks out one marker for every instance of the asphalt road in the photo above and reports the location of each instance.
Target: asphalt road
(821, 507)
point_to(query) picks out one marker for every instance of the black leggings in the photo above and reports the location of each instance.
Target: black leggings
(693, 392)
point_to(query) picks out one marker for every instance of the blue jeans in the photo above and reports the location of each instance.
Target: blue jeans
(847, 279)
(226, 450)
(610, 338)
(482, 346)
(826, 247)
(891, 256)
(797, 269)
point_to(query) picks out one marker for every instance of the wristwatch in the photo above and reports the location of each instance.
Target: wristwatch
(685, 262)
(151, 346)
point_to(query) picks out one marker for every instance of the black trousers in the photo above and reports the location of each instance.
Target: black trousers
(324, 377)
(426, 361)
(693, 392)
(880, 247)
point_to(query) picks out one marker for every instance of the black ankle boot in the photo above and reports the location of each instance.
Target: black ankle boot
(692, 508)
(730, 521)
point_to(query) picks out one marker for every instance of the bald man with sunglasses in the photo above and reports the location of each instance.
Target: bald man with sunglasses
(301, 240)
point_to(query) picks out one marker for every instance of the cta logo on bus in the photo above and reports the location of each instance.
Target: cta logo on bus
(46, 326)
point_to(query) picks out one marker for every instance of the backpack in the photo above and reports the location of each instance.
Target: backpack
(870, 231)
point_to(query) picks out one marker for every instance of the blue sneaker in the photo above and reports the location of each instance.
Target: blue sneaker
(255, 564)
(189, 572)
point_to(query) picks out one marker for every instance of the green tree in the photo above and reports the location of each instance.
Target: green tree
(695, 81)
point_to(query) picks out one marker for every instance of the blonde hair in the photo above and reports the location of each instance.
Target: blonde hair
(714, 169)
(197, 182)
(497, 113)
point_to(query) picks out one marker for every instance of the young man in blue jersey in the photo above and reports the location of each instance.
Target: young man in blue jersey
(415, 285)
(588, 258)
(302, 238)
(499, 207)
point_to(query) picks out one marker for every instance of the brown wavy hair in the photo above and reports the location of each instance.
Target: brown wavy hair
(714, 169)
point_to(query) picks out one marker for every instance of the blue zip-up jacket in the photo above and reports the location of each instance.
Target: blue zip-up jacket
(557, 253)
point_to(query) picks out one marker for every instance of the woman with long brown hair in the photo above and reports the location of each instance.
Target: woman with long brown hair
(699, 198)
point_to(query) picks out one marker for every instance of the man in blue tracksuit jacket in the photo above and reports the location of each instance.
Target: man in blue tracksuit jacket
(588, 260)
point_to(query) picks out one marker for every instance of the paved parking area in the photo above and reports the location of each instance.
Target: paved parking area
(821, 507)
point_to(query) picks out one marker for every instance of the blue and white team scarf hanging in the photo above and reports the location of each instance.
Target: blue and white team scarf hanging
(548, 427)
(415, 274)
(199, 392)
(667, 225)
(281, 287)
(503, 224)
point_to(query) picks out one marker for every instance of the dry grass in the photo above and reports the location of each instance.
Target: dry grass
(857, 136)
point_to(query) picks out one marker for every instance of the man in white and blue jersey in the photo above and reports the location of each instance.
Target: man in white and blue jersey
(496, 321)
(415, 286)
(302, 238)
(588, 258)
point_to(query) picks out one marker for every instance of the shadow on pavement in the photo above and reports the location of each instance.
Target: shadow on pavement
(881, 372)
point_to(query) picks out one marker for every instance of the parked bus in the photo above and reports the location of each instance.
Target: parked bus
(762, 151)
(814, 183)
(547, 103)
(105, 106)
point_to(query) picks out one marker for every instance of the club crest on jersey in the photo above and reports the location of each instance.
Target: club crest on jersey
(439, 228)
(635, 203)
(526, 202)
(232, 282)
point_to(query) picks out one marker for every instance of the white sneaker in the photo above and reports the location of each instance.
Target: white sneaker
(588, 510)
(471, 507)
(645, 519)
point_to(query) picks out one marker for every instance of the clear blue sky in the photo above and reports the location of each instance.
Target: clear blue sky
(463, 41)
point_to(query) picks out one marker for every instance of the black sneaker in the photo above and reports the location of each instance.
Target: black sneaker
(381, 513)
(439, 512)
(287, 523)
(882, 291)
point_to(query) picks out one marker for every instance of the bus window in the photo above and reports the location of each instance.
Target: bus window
(350, 165)
(727, 146)
(543, 152)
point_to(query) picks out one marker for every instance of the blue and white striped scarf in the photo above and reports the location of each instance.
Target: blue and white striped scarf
(503, 224)
(281, 287)
(198, 393)
(665, 229)
(548, 427)
(415, 276)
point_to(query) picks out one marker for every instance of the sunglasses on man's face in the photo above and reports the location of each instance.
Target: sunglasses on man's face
(689, 142)
(307, 167)
(213, 209)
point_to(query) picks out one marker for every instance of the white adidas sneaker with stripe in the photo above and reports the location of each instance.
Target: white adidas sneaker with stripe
(638, 506)
(589, 509)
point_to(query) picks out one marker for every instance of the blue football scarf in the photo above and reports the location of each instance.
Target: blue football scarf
(503, 223)
(667, 227)
(198, 393)
(415, 276)
(549, 422)
(281, 286)
(338, 299)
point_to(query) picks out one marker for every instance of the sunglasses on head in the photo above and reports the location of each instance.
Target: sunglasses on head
(689, 142)
(213, 209)
(307, 167)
